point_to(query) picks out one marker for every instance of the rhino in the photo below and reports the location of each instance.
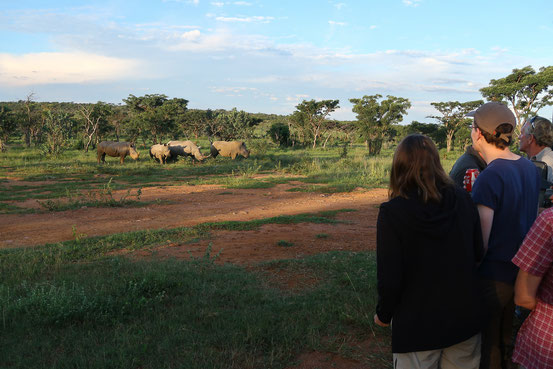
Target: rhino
(185, 148)
(116, 149)
(229, 149)
(160, 153)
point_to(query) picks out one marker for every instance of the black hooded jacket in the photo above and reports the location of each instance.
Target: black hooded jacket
(426, 261)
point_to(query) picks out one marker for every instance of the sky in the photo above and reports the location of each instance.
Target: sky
(268, 56)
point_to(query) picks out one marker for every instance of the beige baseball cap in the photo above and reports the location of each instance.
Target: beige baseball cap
(491, 115)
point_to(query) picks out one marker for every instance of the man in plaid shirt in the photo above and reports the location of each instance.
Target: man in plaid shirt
(534, 291)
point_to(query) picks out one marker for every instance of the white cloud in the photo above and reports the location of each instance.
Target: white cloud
(373, 27)
(218, 4)
(233, 91)
(413, 3)
(334, 23)
(242, 3)
(339, 6)
(191, 35)
(44, 68)
(258, 19)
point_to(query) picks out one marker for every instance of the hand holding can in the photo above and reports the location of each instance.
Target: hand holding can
(470, 177)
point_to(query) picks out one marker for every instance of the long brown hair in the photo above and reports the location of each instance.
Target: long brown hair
(416, 168)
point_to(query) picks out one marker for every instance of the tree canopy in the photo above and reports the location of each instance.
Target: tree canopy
(310, 118)
(375, 117)
(453, 117)
(526, 90)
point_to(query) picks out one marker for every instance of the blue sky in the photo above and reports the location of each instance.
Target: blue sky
(268, 56)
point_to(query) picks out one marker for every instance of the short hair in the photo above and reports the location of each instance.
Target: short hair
(501, 138)
(541, 129)
(416, 168)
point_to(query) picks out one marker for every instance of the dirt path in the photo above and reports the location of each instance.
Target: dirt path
(191, 205)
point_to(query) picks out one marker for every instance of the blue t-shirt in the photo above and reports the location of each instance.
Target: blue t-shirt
(511, 189)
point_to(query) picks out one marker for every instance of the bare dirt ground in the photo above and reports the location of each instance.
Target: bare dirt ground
(192, 205)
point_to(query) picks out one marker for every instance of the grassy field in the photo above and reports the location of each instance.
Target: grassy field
(83, 303)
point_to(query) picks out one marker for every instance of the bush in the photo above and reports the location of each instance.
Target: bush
(280, 134)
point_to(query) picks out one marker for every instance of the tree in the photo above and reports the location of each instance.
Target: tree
(311, 115)
(233, 125)
(58, 127)
(525, 90)
(31, 124)
(435, 131)
(8, 126)
(154, 114)
(374, 118)
(195, 122)
(453, 117)
(279, 133)
(95, 117)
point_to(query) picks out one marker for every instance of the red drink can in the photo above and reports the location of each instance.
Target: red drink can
(470, 177)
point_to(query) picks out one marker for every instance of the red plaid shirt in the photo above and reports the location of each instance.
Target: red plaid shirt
(534, 346)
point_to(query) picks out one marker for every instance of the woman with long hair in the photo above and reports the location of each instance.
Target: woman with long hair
(428, 245)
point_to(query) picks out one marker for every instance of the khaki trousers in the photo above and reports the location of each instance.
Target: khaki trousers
(464, 355)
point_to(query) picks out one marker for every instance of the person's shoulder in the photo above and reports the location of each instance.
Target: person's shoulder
(547, 215)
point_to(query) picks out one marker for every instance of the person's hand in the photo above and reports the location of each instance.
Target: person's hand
(377, 321)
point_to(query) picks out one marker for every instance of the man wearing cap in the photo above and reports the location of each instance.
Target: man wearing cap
(535, 140)
(506, 194)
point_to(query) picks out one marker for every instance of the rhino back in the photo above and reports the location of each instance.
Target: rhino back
(113, 148)
(226, 148)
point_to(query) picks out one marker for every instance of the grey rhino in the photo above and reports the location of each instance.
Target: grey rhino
(185, 148)
(229, 149)
(116, 149)
(160, 152)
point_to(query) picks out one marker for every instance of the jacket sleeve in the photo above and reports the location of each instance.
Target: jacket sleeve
(389, 266)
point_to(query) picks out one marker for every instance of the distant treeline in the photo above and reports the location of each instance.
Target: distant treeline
(155, 118)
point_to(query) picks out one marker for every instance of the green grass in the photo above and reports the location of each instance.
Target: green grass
(87, 307)
(114, 313)
(77, 304)
(284, 243)
(322, 170)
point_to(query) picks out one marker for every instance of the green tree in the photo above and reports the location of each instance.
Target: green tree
(94, 120)
(58, 128)
(154, 115)
(8, 126)
(310, 118)
(435, 131)
(453, 117)
(233, 125)
(279, 133)
(525, 90)
(30, 122)
(195, 122)
(375, 118)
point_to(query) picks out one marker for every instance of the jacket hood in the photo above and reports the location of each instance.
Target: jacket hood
(432, 219)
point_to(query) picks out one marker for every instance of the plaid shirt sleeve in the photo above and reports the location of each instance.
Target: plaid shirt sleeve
(536, 253)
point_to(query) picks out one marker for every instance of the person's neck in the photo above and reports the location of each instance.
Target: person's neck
(491, 152)
(535, 150)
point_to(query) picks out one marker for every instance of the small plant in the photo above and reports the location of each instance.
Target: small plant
(344, 153)
(284, 243)
(93, 198)
(321, 235)
(77, 236)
